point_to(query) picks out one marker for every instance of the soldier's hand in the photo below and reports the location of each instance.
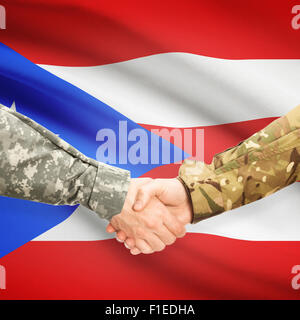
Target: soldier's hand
(151, 229)
(171, 193)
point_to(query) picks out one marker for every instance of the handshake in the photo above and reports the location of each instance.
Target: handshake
(154, 215)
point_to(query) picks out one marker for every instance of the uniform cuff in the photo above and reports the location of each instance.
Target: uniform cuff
(204, 188)
(109, 191)
(207, 201)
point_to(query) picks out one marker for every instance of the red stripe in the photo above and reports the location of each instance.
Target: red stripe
(217, 138)
(195, 267)
(73, 32)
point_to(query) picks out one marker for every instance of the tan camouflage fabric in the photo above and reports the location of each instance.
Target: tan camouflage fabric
(36, 165)
(257, 167)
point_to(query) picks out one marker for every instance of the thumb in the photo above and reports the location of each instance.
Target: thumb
(145, 193)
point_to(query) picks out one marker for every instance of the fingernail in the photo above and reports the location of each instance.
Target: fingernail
(135, 251)
(119, 240)
(138, 205)
(126, 246)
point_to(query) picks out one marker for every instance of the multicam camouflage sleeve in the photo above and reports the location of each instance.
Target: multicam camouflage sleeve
(35, 164)
(257, 167)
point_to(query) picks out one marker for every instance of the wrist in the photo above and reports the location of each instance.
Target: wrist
(186, 214)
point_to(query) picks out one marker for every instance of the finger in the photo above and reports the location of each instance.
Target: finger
(121, 236)
(160, 229)
(126, 246)
(154, 242)
(165, 235)
(173, 225)
(110, 228)
(135, 251)
(131, 195)
(129, 243)
(143, 246)
(115, 223)
(145, 193)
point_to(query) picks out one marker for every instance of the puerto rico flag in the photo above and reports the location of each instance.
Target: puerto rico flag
(218, 71)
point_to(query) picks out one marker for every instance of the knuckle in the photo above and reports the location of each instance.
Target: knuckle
(140, 232)
(142, 191)
(182, 233)
(178, 229)
(151, 223)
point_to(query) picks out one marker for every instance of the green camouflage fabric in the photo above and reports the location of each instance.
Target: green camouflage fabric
(257, 167)
(36, 165)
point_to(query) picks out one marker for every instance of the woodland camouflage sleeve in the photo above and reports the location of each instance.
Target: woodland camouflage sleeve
(257, 167)
(35, 164)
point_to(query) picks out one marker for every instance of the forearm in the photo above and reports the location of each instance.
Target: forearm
(255, 168)
(37, 165)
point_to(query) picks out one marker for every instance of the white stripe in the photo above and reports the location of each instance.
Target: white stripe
(178, 89)
(275, 218)
(181, 89)
(82, 225)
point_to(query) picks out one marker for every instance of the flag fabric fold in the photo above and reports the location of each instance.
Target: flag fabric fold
(212, 73)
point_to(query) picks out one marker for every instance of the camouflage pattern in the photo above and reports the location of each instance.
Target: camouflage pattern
(257, 167)
(36, 165)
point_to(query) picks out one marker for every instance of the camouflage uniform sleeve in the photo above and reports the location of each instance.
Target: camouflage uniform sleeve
(35, 164)
(257, 167)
